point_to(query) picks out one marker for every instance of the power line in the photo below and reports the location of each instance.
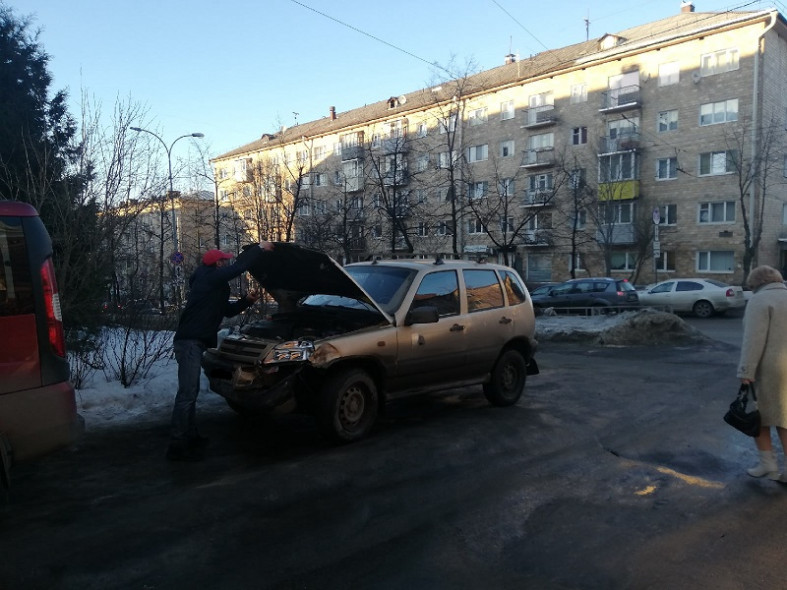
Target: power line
(383, 41)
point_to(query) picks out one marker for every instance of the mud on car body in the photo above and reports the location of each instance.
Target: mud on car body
(346, 340)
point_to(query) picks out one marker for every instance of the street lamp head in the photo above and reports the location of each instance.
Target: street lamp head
(136, 128)
(197, 135)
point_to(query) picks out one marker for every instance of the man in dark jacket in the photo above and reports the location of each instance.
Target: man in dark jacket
(207, 305)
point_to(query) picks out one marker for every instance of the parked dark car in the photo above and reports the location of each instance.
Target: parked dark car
(600, 293)
(346, 340)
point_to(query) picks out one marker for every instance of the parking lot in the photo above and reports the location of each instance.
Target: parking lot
(615, 470)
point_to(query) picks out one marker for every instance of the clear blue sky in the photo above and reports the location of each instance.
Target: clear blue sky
(235, 70)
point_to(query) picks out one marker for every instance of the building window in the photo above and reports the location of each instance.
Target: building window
(422, 230)
(478, 153)
(507, 148)
(448, 124)
(617, 167)
(716, 261)
(666, 168)
(578, 219)
(422, 129)
(717, 163)
(507, 110)
(444, 228)
(377, 231)
(719, 112)
(666, 262)
(667, 121)
(616, 213)
(507, 224)
(623, 261)
(577, 263)
(421, 196)
(668, 215)
(544, 141)
(422, 163)
(579, 93)
(541, 99)
(720, 212)
(475, 227)
(506, 187)
(477, 190)
(446, 159)
(579, 135)
(719, 62)
(477, 116)
(669, 73)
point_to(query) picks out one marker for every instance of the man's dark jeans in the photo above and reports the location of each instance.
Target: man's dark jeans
(188, 353)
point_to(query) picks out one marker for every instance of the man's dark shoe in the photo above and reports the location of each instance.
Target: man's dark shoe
(184, 452)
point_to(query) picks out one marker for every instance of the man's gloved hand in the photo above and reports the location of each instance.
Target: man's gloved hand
(266, 246)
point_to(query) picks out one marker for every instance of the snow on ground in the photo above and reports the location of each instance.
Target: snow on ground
(104, 402)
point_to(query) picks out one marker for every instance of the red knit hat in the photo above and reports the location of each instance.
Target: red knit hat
(211, 257)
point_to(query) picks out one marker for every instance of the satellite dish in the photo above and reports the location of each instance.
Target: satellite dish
(695, 76)
(402, 99)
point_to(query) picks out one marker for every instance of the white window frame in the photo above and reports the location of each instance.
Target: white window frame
(629, 261)
(705, 261)
(478, 153)
(447, 124)
(716, 212)
(718, 62)
(620, 166)
(669, 73)
(475, 227)
(579, 135)
(422, 229)
(507, 148)
(579, 93)
(478, 190)
(711, 161)
(422, 130)
(541, 99)
(667, 121)
(478, 116)
(668, 214)
(666, 262)
(621, 212)
(507, 110)
(667, 168)
(723, 111)
(506, 187)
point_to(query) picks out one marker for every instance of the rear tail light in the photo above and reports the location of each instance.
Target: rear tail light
(54, 317)
(730, 293)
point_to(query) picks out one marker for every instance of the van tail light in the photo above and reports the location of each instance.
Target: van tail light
(730, 293)
(54, 317)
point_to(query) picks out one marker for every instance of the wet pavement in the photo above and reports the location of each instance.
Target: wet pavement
(615, 470)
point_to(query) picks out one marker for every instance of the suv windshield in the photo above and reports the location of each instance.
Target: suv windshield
(386, 285)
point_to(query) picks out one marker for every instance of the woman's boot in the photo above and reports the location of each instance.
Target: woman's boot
(767, 467)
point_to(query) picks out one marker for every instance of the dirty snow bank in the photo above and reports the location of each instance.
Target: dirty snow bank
(641, 327)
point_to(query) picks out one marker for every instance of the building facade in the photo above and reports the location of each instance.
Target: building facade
(655, 152)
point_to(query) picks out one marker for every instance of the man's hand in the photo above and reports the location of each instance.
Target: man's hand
(252, 296)
(266, 246)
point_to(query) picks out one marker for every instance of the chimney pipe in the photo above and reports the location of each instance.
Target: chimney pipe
(333, 113)
(686, 7)
(510, 58)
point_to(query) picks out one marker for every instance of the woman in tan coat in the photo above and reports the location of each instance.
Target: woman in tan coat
(764, 362)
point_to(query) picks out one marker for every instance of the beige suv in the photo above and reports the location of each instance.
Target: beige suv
(345, 340)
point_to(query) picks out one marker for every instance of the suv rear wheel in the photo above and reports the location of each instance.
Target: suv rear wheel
(508, 379)
(349, 405)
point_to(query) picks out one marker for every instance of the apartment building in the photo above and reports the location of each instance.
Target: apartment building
(653, 152)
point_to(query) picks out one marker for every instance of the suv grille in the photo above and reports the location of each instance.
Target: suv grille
(242, 349)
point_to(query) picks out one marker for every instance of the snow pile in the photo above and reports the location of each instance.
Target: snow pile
(630, 328)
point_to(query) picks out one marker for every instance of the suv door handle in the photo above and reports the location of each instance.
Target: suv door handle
(505, 320)
(457, 328)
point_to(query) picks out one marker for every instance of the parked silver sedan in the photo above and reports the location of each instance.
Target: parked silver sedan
(702, 297)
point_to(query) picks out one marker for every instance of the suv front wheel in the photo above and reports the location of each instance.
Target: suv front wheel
(508, 379)
(349, 405)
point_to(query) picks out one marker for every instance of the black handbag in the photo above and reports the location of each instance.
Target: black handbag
(737, 416)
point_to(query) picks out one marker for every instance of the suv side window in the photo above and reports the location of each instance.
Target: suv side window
(584, 287)
(440, 289)
(513, 287)
(16, 288)
(483, 290)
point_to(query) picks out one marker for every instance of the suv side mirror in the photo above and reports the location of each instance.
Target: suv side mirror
(425, 314)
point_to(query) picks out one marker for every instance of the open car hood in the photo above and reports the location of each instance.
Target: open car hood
(296, 272)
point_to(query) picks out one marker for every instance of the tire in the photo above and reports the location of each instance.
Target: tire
(703, 309)
(349, 405)
(508, 379)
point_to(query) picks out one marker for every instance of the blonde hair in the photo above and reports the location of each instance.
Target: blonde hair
(762, 275)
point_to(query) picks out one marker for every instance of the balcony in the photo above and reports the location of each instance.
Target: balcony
(394, 145)
(537, 237)
(538, 197)
(620, 99)
(353, 184)
(540, 116)
(621, 190)
(618, 233)
(356, 244)
(625, 142)
(352, 152)
(538, 158)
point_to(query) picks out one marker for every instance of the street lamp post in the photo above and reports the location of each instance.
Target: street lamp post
(168, 149)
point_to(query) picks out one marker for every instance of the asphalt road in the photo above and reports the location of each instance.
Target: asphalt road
(615, 470)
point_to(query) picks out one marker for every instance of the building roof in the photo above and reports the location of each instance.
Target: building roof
(664, 31)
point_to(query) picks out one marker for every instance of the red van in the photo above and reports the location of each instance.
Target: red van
(37, 403)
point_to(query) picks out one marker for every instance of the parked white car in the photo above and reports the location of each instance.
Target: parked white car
(702, 297)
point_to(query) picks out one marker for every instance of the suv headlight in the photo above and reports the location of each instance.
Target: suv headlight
(292, 351)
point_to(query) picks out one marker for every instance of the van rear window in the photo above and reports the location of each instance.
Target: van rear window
(16, 287)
